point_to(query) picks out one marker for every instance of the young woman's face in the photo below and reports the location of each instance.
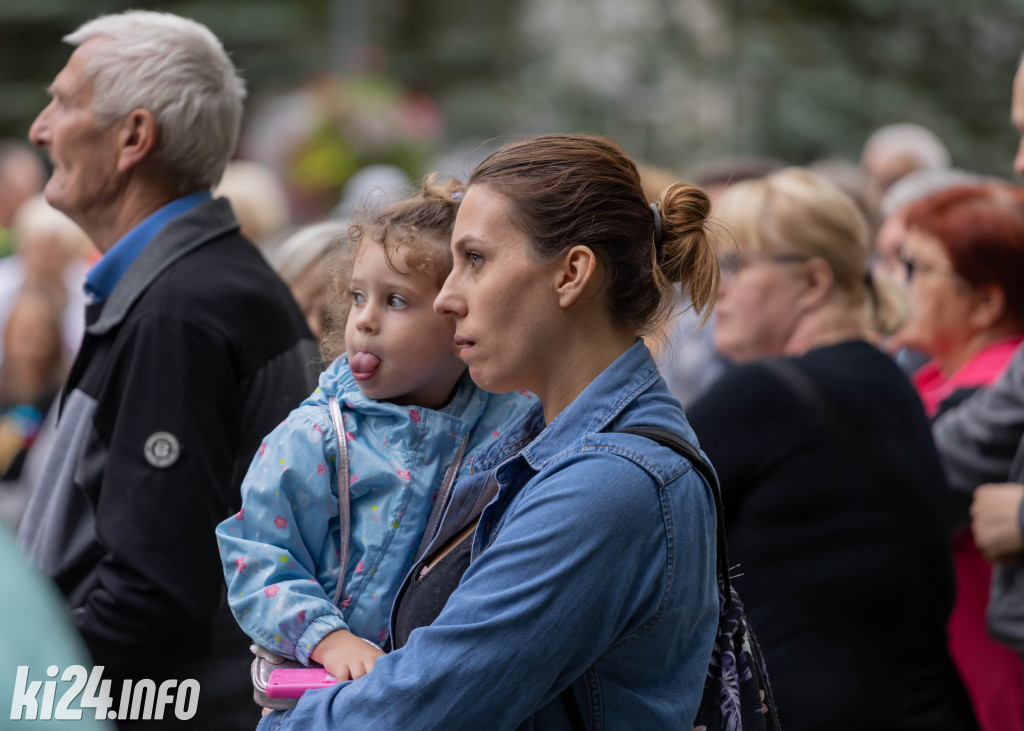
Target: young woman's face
(501, 296)
(399, 349)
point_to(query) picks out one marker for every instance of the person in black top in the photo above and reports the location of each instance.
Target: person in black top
(835, 501)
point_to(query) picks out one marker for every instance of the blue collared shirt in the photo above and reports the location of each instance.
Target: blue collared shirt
(107, 272)
(594, 569)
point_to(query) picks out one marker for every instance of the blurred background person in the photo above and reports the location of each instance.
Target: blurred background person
(299, 260)
(854, 181)
(36, 632)
(887, 258)
(259, 200)
(896, 150)
(51, 253)
(685, 348)
(371, 187)
(964, 256)
(31, 373)
(832, 572)
(22, 176)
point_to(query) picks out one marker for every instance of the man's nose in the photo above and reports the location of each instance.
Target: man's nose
(39, 132)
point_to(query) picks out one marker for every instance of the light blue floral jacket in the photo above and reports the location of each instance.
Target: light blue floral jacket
(281, 552)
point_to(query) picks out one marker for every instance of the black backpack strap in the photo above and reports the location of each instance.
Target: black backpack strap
(676, 443)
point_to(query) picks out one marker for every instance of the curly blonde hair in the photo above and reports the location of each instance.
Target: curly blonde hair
(420, 225)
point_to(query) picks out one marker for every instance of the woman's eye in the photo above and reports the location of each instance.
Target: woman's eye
(396, 302)
(474, 258)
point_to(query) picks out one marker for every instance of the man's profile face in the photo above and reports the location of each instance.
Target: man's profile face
(1017, 115)
(83, 150)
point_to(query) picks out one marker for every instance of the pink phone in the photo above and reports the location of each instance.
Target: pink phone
(293, 683)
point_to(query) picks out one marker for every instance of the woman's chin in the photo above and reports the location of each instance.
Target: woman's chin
(487, 380)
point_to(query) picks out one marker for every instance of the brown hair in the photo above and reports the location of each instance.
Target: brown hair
(420, 226)
(565, 190)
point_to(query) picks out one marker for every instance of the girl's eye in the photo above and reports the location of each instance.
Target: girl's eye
(358, 298)
(474, 258)
(396, 302)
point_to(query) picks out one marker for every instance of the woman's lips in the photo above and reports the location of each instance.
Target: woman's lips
(464, 344)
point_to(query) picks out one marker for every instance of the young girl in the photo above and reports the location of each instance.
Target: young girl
(409, 410)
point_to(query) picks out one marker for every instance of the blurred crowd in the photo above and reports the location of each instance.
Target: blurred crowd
(875, 278)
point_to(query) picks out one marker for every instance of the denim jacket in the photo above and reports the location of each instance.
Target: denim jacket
(281, 552)
(594, 567)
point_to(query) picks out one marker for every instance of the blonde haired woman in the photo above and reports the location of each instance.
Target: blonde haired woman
(835, 502)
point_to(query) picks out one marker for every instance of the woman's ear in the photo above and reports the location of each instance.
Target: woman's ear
(575, 274)
(818, 280)
(988, 306)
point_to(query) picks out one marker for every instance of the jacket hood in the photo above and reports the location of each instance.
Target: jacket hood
(468, 404)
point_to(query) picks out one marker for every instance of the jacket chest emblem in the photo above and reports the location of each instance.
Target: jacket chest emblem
(162, 449)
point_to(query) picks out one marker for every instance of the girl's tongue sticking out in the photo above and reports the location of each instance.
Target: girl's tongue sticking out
(364, 365)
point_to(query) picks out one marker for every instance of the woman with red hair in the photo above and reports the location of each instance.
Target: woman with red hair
(964, 254)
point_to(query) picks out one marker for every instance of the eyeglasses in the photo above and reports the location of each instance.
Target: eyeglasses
(914, 267)
(733, 263)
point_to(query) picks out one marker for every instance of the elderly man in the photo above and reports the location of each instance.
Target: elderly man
(194, 349)
(981, 442)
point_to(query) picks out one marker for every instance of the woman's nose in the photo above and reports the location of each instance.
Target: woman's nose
(448, 302)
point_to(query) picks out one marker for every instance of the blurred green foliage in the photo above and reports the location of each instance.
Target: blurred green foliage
(274, 43)
(678, 82)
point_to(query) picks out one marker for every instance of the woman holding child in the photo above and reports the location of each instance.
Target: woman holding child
(593, 566)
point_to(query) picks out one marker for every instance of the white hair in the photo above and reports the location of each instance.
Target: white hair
(176, 69)
(307, 246)
(920, 143)
(920, 184)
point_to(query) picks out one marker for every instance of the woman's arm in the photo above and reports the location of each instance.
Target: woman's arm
(579, 565)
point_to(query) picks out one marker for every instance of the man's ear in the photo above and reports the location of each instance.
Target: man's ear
(137, 138)
(574, 275)
(989, 306)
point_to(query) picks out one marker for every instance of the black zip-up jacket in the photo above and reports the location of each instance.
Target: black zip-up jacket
(199, 352)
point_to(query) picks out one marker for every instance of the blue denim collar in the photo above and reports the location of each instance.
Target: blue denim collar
(599, 403)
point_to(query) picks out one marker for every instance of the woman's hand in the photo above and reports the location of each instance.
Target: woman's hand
(346, 656)
(995, 520)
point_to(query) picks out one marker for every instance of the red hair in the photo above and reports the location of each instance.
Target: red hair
(981, 228)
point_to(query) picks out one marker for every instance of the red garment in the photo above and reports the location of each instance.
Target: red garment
(981, 370)
(991, 671)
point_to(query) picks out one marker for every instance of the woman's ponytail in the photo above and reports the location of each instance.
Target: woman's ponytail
(686, 253)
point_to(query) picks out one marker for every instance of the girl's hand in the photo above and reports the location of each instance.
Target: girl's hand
(346, 656)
